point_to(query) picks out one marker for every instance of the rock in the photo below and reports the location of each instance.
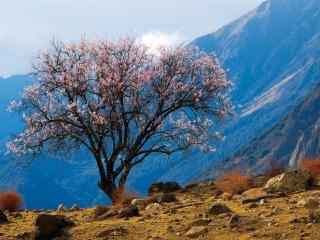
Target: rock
(3, 217)
(165, 187)
(108, 214)
(253, 195)
(217, 193)
(277, 210)
(201, 222)
(227, 196)
(128, 212)
(138, 202)
(290, 181)
(263, 202)
(154, 206)
(112, 232)
(51, 226)
(75, 207)
(302, 203)
(309, 225)
(197, 231)
(62, 208)
(253, 205)
(234, 220)
(147, 216)
(167, 198)
(17, 215)
(191, 185)
(217, 209)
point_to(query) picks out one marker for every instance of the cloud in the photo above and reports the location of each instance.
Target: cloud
(155, 39)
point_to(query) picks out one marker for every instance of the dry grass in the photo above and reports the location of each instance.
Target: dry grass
(313, 209)
(99, 210)
(274, 169)
(234, 182)
(124, 198)
(11, 201)
(314, 166)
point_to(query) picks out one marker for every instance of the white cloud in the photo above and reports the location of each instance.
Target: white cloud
(155, 39)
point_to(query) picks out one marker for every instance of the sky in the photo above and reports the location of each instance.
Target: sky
(26, 26)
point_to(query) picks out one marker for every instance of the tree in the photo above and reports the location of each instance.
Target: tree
(121, 103)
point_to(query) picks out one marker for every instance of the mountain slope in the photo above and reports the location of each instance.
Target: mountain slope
(294, 138)
(273, 57)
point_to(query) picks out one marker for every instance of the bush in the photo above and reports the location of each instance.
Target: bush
(11, 201)
(313, 209)
(274, 169)
(234, 182)
(124, 198)
(314, 166)
(99, 210)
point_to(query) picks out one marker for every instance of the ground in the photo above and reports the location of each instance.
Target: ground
(280, 218)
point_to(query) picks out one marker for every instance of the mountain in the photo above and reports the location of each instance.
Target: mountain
(294, 138)
(272, 55)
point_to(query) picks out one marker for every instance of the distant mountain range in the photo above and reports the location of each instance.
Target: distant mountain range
(272, 55)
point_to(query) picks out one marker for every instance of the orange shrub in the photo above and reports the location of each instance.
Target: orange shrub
(11, 201)
(234, 182)
(314, 166)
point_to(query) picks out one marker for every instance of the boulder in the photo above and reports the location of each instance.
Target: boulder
(155, 206)
(3, 217)
(253, 195)
(62, 208)
(51, 226)
(108, 214)
(165, 187)
(288, 182)
(166, 198)
(128, 212)
(197, 231)
(75, 207)
(217, 209)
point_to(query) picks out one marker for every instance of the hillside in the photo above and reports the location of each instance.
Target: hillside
(294, 138)
(188, 217)
(273, 57)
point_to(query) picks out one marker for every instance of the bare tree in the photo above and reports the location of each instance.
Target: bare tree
(121, 103)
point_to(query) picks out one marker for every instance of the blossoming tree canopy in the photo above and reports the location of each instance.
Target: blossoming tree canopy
(121, 103)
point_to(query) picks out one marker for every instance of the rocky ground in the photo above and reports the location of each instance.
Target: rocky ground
(198, 211)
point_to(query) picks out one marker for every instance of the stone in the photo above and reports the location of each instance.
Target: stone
(201, 222)
(51, 226)
(62, 208)
(253, 195)
(3, 217)
(253, 205)
(139, 202)
(24, 236)
(108, 214)
(75, 207)
(128, 212)
(165, 187)
(112, 232)
(226, 196)
(197, 231)
(17, 215)
(277, 210)
(167, 198)
(263, 202)
(234, 220)
(217, 209)
(154, 206)
(288, 182)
